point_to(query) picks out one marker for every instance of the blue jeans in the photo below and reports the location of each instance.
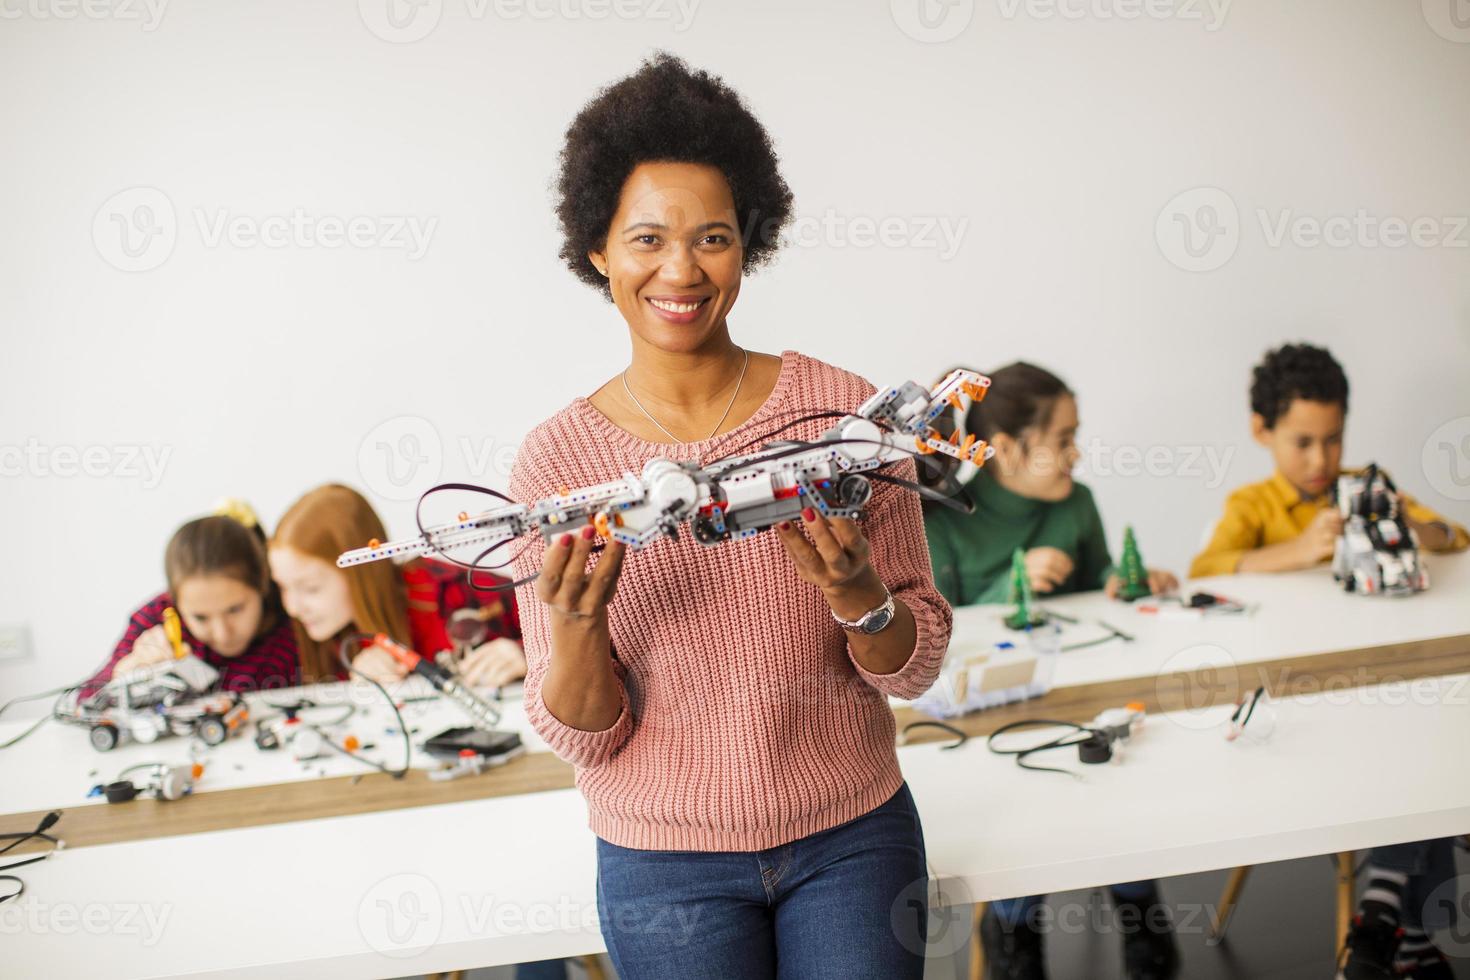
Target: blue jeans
(846, 903)
(1011, 911)
(542, 970)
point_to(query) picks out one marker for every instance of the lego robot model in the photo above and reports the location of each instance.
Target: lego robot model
(727, 500)
(174, 697)
(1377, 552)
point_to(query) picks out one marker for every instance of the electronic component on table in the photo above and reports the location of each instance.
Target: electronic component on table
(1100, 740)
(164, 782)
(1193, 605)
(471, 751)
(978, 676)
(1254, 717)
(453, 742)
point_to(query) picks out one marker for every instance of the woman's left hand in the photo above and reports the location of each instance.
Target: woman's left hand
(494, 664)
(835, 560)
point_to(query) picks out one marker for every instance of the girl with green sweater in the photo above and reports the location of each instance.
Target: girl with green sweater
(1025, 498)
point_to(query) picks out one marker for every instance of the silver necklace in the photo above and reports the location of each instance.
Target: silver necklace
(745, 364)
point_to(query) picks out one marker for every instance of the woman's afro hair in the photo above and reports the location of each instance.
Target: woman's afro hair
(666, 112)
(1296, 371)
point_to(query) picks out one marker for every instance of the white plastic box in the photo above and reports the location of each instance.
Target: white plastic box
(982, 674)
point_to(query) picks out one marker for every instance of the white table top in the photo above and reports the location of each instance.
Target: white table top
(1295, 614)
(56, 766)
(512, 879)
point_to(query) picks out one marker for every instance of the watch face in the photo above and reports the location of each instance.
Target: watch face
(880, 619)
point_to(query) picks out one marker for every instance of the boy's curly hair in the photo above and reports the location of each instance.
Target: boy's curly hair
(665, 112)
(1295, 371)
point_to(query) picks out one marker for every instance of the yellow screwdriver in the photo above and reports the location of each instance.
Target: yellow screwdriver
(174, 630)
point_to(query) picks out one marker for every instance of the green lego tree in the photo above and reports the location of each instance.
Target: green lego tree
(1133, 577)
(1025, 614)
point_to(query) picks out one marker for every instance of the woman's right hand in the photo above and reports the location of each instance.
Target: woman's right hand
(581, 688)
(151, 647)
(575, 595)
(1047, 568)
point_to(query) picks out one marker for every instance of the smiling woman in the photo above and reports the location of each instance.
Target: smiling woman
(726, 711)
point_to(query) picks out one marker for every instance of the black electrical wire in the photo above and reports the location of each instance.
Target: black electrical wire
(1065, 740)
(470, 568)
(418, 519)
(306, 704)
(16, 839)
(959, 500)
(342, 648)
(142, 765)
(58, 693)
(492, 569)
(961, 737)
(765, 437)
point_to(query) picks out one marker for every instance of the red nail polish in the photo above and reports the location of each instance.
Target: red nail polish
(809, 514)
(566, 541)
(784, 525)
(588, 532)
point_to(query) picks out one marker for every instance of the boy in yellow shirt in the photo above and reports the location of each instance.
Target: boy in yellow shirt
(1298, 411)
(1299, 400)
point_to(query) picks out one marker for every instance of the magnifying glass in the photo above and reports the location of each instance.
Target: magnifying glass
(467, 629)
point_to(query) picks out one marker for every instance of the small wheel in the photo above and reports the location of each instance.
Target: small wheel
(853, 490)
(704, 531)
(211, 729)
(103, 738)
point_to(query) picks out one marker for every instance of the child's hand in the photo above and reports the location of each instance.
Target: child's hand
(1160, 582)
(378, 664)
(151, 647)
(1433, 536)
(1047, 568)
(494, 664)
(1319, 540)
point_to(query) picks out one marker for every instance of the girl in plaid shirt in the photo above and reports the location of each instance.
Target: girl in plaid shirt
(220, 585)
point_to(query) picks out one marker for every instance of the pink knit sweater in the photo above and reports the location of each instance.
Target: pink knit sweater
(746, 722)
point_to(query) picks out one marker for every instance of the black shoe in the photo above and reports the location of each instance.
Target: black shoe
(1431, 966)
(1368, 952)
(1149, 950)
(1012, 952)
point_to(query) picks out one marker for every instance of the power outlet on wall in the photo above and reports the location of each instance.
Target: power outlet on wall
(15, 642)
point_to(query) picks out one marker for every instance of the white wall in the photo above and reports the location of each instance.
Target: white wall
(1056, 140)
